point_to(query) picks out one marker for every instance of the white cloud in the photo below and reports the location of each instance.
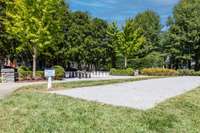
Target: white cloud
(165, 2)
(109, 1)
(94, 3)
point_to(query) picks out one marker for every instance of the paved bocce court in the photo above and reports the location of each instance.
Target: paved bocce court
(139, 95)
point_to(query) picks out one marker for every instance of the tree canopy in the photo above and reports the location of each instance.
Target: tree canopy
(149, 24)
(36, 24)
(44, 33)
(130, 41)
(183, 38)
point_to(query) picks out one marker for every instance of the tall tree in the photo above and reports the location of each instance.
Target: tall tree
(57, 54)
(76, 34)
(149, 22)
(8, 43)
(87, 38)
(2, 32)
(113, 32)
(36, 23)
(184, 34)
(96, 44)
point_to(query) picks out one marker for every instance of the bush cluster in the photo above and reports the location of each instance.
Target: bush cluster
(39, 75)
(122, 72)
(60, 72)
(155, 72)
(25, 73)
(187, 72)
(159, 72)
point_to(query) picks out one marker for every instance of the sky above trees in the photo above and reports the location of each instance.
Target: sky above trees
(120, 10)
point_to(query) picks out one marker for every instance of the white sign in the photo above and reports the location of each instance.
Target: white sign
(49, 72)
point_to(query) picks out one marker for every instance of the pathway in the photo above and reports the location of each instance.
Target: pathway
(8, 88)
(140, 94)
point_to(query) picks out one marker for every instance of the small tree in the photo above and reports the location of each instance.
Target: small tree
(35, 23)
(130, 41)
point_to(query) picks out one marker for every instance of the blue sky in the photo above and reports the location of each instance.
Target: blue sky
(120, 10)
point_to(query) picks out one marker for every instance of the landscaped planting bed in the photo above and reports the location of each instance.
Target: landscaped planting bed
(169, 72)
(159, 72)
(25, 73)
(122, 72)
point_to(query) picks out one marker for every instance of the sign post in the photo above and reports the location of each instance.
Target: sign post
(49, 73)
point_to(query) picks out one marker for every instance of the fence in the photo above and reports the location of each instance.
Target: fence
(84, 74)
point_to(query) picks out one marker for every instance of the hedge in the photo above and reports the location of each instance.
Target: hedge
(122, 72)
(187, 72)
(159, 72)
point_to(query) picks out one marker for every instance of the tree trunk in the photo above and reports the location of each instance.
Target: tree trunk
(34, 62)
(196, 67)
(189, 64)
(113, 58)
(177, 64)
(125, 61)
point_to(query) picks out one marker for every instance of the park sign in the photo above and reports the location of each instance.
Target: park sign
(49, 73)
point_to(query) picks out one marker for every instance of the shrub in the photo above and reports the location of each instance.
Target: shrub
(122, 72)
(60, 72)
(159, 72)
(197, 73)
(187, 72)
(24, 73)
(39, 74)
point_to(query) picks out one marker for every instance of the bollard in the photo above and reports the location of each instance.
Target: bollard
(49, 83)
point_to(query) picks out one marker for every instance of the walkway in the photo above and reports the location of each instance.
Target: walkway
(8, 88)
(140, 95)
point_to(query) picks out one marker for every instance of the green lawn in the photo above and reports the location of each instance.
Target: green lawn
(32, 111)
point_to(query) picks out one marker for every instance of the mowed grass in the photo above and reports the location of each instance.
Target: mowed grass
(35, 112)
